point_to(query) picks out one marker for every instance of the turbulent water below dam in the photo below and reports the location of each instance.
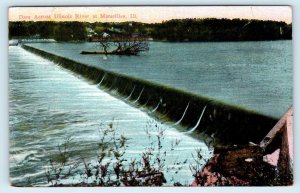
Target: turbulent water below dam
(48, 104)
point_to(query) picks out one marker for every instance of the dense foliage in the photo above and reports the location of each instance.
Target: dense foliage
(60, 31)
(221, 30)
(209, 29)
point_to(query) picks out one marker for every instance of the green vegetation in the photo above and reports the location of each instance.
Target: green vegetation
(111, 166)
(221, 30)
(209, 29)
(60, 31)
(70, 31)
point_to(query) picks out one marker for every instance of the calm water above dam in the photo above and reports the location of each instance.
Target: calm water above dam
(254, 75)
(48, 104)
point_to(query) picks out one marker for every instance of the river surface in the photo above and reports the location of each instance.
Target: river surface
(253, 75)
(48, 104)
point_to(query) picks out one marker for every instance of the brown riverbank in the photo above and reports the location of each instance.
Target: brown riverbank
(266, 164)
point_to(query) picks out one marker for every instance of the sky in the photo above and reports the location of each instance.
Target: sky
(148, 14)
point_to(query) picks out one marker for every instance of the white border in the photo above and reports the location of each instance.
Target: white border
(4, 175)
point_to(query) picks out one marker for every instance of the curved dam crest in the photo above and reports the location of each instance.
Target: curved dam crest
(227, 124)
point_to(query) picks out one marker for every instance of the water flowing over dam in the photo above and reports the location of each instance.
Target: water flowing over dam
(49, 104)
(227, 123)
(254, 75)
(54, 96)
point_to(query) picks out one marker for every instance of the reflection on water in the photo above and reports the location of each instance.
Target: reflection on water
(49, 104)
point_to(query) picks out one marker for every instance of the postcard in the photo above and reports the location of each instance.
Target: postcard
(150, 96)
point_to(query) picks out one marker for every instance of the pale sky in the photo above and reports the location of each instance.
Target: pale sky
(148, 14)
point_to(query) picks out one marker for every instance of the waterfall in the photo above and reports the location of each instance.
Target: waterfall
(130, 93)
(160, 101)
(98, 77)
(182, 114)
(194, 128)
(146, 102)
(113, 83)
(99, 84)
(139, 95)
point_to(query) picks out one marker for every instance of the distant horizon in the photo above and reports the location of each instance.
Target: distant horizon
(149, 23)
(149, 14)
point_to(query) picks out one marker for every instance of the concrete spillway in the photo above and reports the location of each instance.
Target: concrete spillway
(227, 123)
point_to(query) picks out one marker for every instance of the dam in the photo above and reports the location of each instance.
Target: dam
(198, 121)
(205, 117)
(244, 74)
(43, 115)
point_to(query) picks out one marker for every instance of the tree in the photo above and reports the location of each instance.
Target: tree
(69, 31)
(121, 45)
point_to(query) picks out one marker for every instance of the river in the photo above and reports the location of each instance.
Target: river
(254, 75)
(48, 104)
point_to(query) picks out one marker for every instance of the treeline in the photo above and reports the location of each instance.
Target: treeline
(209, 29)
(60, 31)
(221, 30)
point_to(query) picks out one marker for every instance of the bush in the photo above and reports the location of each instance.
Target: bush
(111, 167)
